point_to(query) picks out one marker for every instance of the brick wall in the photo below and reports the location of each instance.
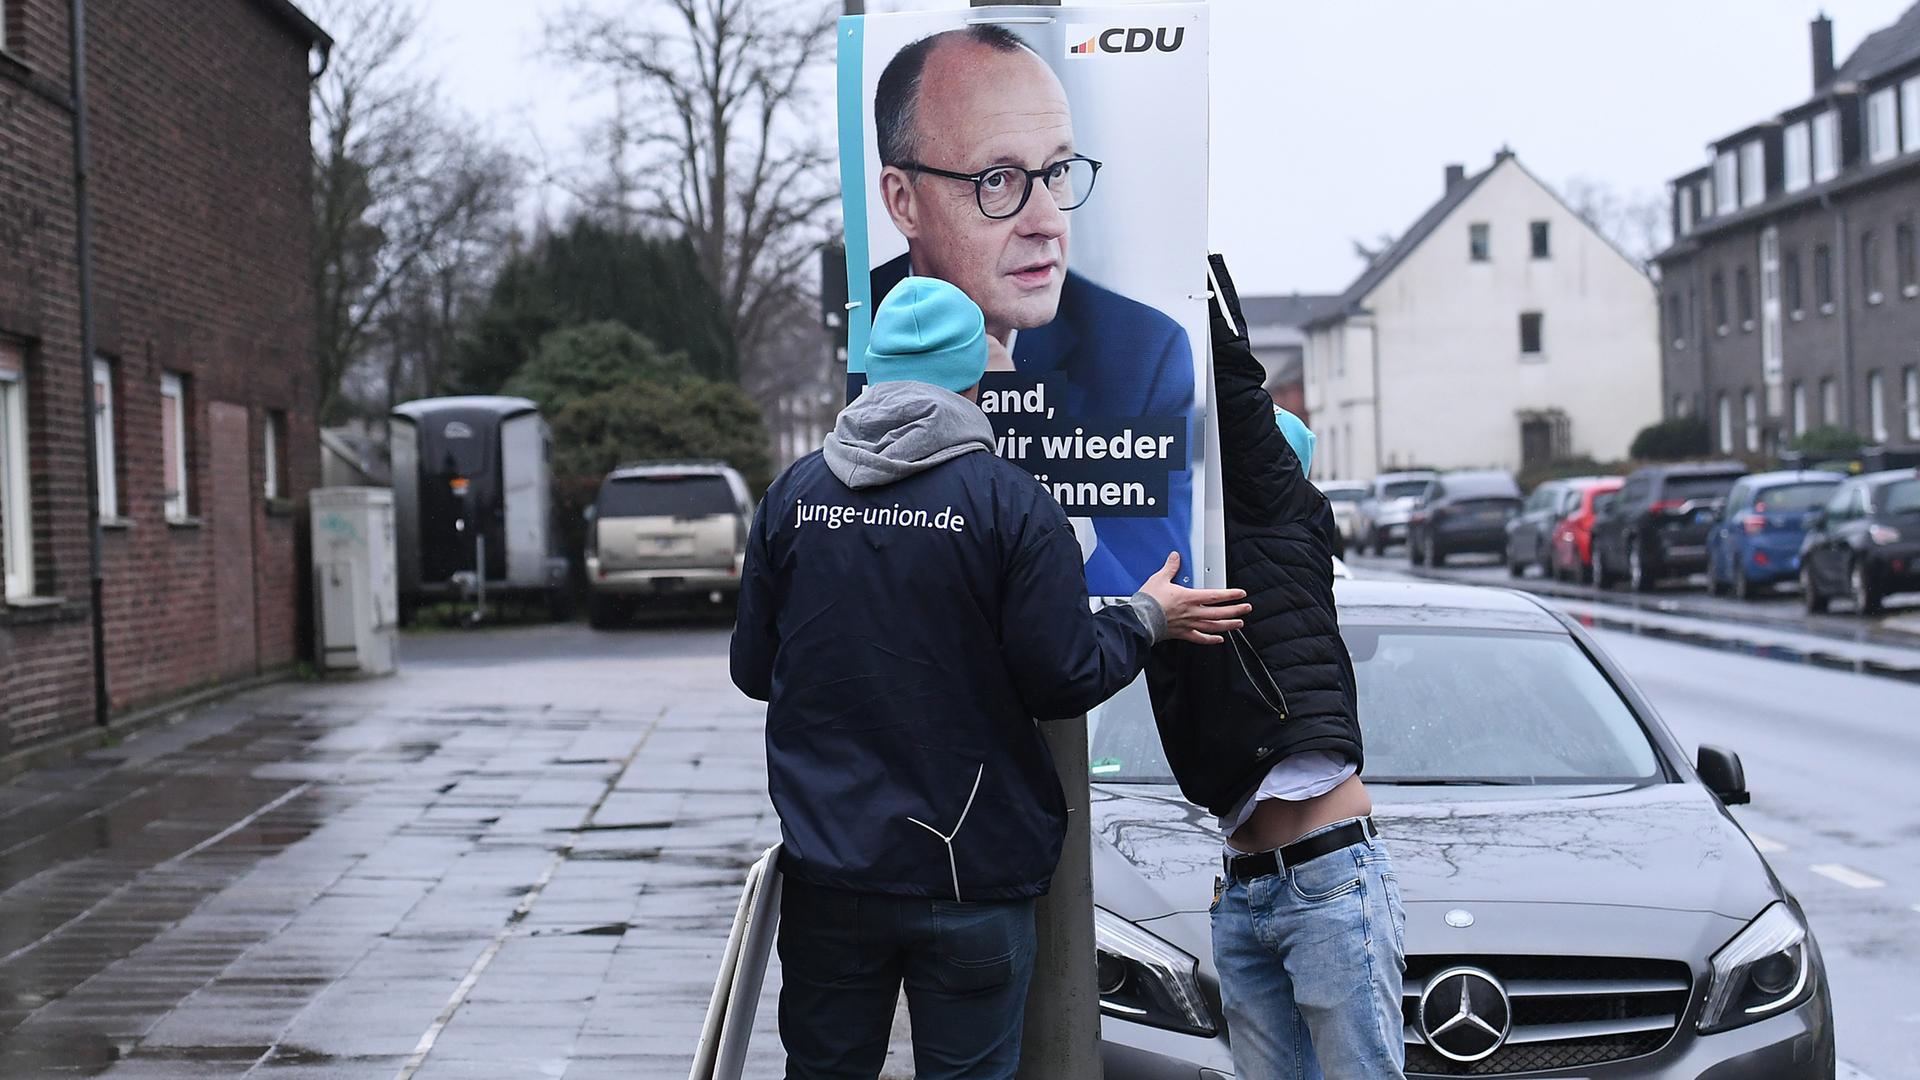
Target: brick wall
(201, 232)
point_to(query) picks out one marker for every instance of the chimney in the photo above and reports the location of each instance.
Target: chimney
(1456, 175)
(1822, 52)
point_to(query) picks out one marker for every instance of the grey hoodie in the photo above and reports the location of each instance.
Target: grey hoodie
(897, 429)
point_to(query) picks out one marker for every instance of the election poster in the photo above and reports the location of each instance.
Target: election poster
(1052, 163)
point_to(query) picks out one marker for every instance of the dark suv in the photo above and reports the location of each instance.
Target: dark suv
(1865, 543)
(1461, 513)
(1657, 526)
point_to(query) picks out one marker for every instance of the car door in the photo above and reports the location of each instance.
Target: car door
(1609, 531)
(1826, 550)
(1723, 538)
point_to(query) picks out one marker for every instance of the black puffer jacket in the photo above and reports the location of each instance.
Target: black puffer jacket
(1219, 736)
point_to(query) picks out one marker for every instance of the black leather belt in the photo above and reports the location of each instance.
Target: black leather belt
(1263, 863)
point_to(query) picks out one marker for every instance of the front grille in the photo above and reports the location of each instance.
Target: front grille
(1568, 1011)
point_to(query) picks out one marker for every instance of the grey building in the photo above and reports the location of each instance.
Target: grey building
(1275, 330)
(1791, 296)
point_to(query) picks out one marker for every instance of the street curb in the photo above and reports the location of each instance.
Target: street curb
(67, 747)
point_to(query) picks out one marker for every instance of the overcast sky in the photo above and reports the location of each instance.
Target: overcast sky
(1332, 120)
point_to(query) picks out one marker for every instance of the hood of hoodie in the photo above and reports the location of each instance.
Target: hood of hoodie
(897, 429)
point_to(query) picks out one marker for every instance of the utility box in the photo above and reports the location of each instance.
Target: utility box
(355, 587)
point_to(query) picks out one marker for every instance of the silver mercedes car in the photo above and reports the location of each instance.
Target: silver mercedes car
(1579, 901)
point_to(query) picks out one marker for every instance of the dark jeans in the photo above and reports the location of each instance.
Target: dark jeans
(844, 956)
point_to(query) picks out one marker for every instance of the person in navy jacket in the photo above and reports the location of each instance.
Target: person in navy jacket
(978, 171)
(909, 605)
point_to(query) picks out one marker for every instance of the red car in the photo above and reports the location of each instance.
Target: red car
(1573, 536)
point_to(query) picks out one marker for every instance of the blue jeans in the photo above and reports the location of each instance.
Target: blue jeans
(1310, 961)
(844, 956)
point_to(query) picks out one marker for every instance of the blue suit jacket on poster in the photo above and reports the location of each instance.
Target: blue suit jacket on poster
(1119, 358)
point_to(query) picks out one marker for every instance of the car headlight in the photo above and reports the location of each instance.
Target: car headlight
(1146, 980)
(1763, 970)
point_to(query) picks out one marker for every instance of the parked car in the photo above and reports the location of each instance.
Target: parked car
(1382, 515)
(1344, 496)
(1530, 535)
(1553, 842)
(1755, 543)
(1656, 527)
(666, 530)
(1865, 543)
(1573, 536)
(1462, 513)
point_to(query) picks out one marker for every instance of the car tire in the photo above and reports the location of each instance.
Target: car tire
(1714, 588)
(1602, 577)
(1809, 592)
(603, 612)
(1866, 597)
(1742, 586)
(1515, 568)
(1379, 545)
(1436, 555)
(1582, 573)
(1637, 574)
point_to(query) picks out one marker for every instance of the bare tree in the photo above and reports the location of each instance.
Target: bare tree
(1635, 221)
(402, 193)
(723, 152)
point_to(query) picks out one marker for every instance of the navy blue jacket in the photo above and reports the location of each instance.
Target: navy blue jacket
(1120, 358)
(905, 637)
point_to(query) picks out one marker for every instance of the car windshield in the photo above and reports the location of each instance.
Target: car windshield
(1901, 497)
(1683, 488)
(1344, 495)
(1442, 706)
(1793, 498)
(664, 496)
(1401, 489)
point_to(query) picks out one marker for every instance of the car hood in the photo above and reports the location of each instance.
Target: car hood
(1664, 846)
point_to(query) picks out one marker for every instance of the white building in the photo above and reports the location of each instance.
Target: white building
(1501, 331)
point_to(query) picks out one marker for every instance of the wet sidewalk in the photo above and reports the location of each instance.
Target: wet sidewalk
(519, 858)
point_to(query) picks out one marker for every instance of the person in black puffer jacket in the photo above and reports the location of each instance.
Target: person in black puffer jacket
(1266, 736)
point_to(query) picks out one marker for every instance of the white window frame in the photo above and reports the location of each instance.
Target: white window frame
(1877, 405)
(1725, 409)
(1912, 402)
(270, 454)
(1726, 181)
(1910, 115)
(108, 489)
(1796, 153)
(1826, 146)
(1829, 402)
(1753, 173)
(16, 493)
(1707, 206)
(1799, 409)
(1750, 406)
(1883, 126)
(175, 490)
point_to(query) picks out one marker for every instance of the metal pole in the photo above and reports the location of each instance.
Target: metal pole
(83, 257)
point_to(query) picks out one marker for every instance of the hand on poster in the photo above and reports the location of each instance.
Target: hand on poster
(976, 161)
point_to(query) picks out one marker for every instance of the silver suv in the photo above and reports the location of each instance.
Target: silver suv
(665, 530)
(1384, 511)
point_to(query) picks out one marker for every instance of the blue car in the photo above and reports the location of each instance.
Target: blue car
(1755, 543)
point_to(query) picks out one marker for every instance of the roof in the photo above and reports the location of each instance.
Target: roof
(1388, 261)
(1885, 50)
(297, 21)
(500, 406)
(1292, 310)
(1793, 476)
(1370, 602)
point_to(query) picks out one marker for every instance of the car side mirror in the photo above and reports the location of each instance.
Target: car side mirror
(1817, 518)
(1720, 770)
(589, 514)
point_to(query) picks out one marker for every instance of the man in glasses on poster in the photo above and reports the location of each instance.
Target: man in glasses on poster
(979, 173)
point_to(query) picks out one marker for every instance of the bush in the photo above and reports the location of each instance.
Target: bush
(1565, 467)
(1836, 441)
(581, 361)
(1673, 440)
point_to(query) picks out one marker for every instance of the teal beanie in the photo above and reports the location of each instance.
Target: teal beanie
(1298, 436)
(927, 331)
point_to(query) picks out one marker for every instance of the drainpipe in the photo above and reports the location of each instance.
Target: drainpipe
(83, 258)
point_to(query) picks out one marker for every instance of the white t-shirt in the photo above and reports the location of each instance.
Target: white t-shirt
(1295, 778)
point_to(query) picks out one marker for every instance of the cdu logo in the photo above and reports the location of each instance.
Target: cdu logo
(1084, 41)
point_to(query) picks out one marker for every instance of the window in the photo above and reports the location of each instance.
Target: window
(1717, 289)
(1870, 266)
(1823, 277)
(103, 438)
(173, 445)
(1829, 402)
(16, 504)
(1478, 246)
(1794, 296)
(1799, 409)
(1679, 406)
(1530, 327)
(1750, 406)
(1910, 115)
(1726, 424)
(1706, 199)
(1541, 249)
(273, 445)
(1676, 325)
(1743, 296)
(1726, 182)
(1903, 260)
(1826, 147)
(1877, 406)
(1912, 403)
(1796, 153)
(1753, 173)
(1686, 210)
(1883, 134)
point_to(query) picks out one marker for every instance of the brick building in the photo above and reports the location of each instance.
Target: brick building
(1791, 297)
(202, 314)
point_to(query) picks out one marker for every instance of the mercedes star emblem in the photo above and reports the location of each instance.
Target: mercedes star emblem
(1465, 1014)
